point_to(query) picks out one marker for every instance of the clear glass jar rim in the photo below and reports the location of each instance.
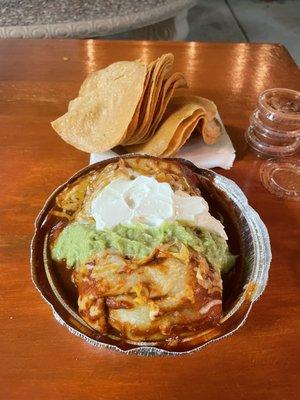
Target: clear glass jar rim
(262, 103)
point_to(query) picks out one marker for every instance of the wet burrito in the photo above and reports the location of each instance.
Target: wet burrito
(146, 254)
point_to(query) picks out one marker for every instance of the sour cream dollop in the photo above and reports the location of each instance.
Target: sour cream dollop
(147, 201)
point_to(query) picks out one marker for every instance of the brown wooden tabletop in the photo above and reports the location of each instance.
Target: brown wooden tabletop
(41, 359)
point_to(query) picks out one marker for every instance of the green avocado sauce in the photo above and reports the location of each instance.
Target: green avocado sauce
(79, 242)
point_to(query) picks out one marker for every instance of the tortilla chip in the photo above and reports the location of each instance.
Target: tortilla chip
(183, 114)
(98, 119)
(175, 81)
(160, 72)
(175, 114)
(135, 120)
(210, 126)
(182, 133)
(137, 106)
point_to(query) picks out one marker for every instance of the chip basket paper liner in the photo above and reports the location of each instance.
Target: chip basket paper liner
(256, 249)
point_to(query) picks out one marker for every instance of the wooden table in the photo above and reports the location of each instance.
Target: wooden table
(41, 359)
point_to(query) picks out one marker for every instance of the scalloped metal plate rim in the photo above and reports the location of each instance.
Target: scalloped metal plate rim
(261, 258)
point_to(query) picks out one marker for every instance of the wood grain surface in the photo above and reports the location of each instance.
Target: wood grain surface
(41, 359)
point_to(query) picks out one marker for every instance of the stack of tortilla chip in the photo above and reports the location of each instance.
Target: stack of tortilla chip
(135, 105)
(184, 114)
(119, 104)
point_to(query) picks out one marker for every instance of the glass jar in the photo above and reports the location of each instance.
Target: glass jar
(275, 131)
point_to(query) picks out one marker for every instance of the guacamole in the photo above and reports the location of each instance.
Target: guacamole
(79, 242)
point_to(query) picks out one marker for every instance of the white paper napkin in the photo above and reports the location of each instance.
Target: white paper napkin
(220, 154)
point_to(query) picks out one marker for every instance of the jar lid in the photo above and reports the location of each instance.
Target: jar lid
(283, 104)
(282, 177)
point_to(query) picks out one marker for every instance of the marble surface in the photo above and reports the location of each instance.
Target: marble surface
(42, 12)
(78, 18)
(214, 20)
